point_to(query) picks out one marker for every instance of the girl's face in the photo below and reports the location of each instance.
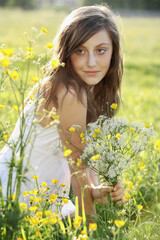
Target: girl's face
(91, 61)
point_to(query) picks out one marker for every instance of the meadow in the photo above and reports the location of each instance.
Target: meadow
(140, 102)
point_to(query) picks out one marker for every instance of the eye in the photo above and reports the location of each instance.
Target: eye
(101, 50)
(80, 51)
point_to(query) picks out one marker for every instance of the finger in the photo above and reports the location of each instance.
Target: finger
(119, 197)
(106, 189)
(118, 185)
(118, 192)
(102, 192)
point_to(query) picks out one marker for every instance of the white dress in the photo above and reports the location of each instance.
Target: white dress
(43, 154)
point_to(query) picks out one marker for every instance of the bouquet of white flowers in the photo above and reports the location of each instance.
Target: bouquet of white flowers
(112, 143)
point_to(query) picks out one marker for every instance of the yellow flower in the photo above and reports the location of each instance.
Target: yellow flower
(132, 129)
(130, 184)
(157, 144)
(114, 106)
(49, 45)
(76, 223)
(14, 75)
(27, 218)
(5, 63)
(53, 196)
(67, 152)
(53, 220)
(147, 125)
(139, 207)
(15, 107)
(35, 177)
(48, 213)
(25, 193)
(29, 49)
(7, 51)
(35, 79)
(32, 199)
(83, 232)
(23, 205)
(92, 226)
(30, 55)
(127, 196)
(142, 165)
(54, 181)
(94, 135)
(52, 200)
(13, 196)
(2, 106)
(35, 191)
(44, 30)
(33, 209)
(79, 162)
(83, 140)
(34, 221)
(97, 130)
(62, 185)
(38, 233)
(82, 134)
(43, 184)
(65, 200)
(119, 223)
(95, 157)
(39, 215)
(55, 63)
(72, 129)
(118, 135)
(5, 136)
(45, 221)
(38, 199)
(139, 179)
(54, 115)
(19, 238)
(32, 97)
(7, 71)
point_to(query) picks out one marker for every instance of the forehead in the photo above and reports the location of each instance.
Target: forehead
(101, 37)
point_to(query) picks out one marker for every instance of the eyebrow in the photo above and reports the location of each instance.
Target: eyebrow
(107, 44)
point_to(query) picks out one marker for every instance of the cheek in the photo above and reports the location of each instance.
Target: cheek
(105, 62)
(74, 62)
(77, 62)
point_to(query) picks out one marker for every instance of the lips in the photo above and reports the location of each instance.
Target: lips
(91, 73)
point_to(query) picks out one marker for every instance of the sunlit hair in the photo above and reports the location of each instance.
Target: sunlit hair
(76, 29)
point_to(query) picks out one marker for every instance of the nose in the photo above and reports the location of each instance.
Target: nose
(91, 59)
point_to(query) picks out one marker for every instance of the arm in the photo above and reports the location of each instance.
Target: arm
(71, 111)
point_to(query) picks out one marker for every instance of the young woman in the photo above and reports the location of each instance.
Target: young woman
(89, 44)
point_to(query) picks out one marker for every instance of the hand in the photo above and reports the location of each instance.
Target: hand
(100, 193)
(118, 193)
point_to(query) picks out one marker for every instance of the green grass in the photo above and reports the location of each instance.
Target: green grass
(140, 90)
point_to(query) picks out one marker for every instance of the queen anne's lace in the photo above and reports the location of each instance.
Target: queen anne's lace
(116, 142)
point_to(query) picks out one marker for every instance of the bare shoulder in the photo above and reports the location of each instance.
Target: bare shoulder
(71, 110)
(69, 96)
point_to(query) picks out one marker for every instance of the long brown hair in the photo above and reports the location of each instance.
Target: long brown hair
(76, 29)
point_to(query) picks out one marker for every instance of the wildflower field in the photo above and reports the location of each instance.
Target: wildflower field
(25, 45)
